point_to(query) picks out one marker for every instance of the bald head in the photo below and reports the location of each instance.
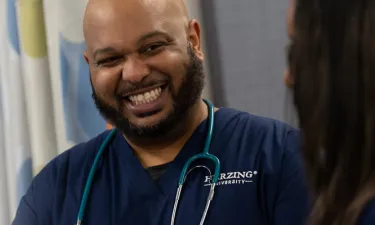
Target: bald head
(103, 10)
(124, 24)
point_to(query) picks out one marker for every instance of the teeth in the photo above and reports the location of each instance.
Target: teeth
(146, 97)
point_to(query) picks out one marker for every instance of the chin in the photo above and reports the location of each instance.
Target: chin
(149, 120)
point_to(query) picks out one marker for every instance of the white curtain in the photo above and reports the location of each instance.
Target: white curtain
(45, 92)
(16, 151)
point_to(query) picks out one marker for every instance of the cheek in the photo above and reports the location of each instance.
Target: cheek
(105, 83)
(171, 64)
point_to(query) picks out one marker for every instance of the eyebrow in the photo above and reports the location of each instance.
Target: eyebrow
(139, 41)
(152, 34)
(103, 51)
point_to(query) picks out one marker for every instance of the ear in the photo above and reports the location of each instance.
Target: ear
(195, 38)
(288, 79)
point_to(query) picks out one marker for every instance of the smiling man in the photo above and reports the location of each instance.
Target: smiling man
(146, 72)
(147, 78)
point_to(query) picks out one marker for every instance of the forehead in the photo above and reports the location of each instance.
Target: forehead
(113, 22)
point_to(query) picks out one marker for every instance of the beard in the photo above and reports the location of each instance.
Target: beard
(183, 100)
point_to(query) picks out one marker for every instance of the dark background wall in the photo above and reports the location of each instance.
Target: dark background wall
(246, 42)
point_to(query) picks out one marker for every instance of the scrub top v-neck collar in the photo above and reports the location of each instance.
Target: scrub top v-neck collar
(167, 185)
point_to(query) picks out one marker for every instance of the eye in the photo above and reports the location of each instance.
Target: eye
(153, 48)
(109, 62)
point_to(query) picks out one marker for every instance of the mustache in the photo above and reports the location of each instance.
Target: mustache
(126, 88)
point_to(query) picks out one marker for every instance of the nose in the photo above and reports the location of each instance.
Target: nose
(135, 69)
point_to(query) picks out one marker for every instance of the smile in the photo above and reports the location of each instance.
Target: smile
(146, 97)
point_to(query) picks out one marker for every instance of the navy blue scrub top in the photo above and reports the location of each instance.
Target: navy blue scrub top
(368, 215)
(261, 181)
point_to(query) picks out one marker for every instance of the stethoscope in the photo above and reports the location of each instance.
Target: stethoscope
(204, 155)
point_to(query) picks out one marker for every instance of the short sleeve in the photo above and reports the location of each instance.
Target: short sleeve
(292, 198)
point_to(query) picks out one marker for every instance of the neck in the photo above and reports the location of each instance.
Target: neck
(165, 150)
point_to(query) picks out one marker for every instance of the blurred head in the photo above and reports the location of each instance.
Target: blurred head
(333, 67)
(145, 62)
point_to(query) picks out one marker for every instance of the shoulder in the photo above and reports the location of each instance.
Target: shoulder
(271, 145)
(272, 148)
(73, 159)
(262, 132)
(261, 123)
(368, 215)
(62, 174)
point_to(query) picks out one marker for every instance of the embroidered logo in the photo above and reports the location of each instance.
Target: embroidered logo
(233, 178)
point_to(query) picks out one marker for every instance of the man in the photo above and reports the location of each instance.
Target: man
(146, 72)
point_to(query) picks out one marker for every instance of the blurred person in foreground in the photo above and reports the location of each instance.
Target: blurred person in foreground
(332, 73)
(145, 61)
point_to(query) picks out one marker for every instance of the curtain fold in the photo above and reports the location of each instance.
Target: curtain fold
(4, 208)
(16, 134)
(45, 91)
(37, 82)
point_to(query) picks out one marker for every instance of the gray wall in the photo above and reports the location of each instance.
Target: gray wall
(246, 42)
